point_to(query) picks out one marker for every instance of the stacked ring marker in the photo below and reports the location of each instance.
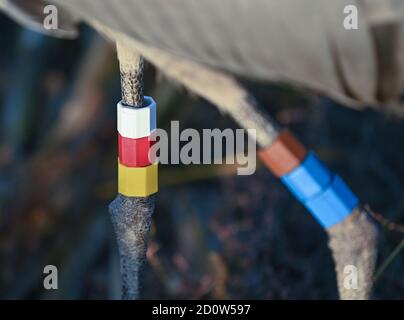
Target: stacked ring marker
(137, 169)
(323, 193)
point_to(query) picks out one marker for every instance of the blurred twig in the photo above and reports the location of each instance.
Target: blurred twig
(388, 260)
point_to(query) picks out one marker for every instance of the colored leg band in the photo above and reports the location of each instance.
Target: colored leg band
(283, 155)
(135, 152)
(137, 123)
(324, 194)
(137, 182)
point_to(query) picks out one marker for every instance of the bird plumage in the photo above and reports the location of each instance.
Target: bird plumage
(298, 42)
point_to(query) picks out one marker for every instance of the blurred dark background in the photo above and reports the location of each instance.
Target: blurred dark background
(215, 234)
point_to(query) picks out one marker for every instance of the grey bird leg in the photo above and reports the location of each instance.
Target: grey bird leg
(131, 216)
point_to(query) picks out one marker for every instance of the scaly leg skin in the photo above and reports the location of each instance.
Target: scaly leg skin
(353, 242)
(131, 218)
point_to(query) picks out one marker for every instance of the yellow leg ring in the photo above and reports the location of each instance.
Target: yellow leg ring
(137, 181)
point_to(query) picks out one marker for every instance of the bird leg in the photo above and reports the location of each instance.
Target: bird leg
(131, 215)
